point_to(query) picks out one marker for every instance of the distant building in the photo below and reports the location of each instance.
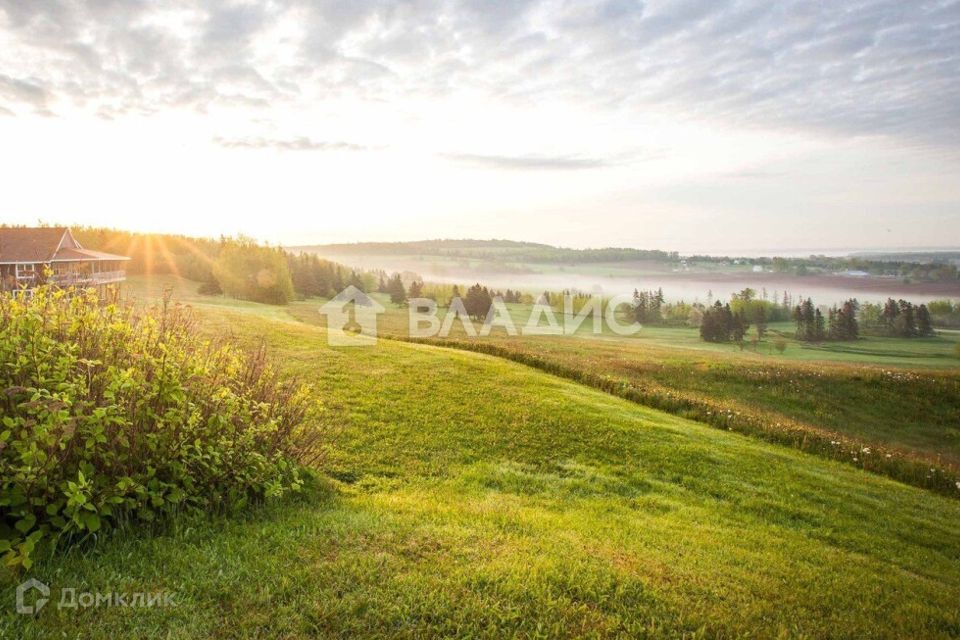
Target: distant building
(855, 273)
(758, 268)
(51, 255)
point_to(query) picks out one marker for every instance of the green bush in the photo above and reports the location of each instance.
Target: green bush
(111, 415)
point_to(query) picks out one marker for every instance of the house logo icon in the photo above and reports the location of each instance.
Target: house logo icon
(27, 587)
(352, 318)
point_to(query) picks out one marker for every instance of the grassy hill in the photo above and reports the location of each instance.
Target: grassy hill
(889, 396)
(474, 496)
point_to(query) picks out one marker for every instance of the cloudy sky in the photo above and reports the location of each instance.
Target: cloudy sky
(695, 125)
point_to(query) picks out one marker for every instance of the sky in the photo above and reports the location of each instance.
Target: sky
(709, 126)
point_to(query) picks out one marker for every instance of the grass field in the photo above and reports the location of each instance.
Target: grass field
(937, 352)
(474, 496)
(852, 405)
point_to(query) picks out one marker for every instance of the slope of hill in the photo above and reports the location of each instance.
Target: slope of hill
(890, 405)
(475, 496)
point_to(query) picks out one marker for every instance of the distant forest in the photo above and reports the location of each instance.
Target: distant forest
(493, 250)
(933, 267)
(238, 267)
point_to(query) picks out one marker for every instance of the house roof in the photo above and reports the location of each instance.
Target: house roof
(45, 244)
(85, 254)
(23, 244)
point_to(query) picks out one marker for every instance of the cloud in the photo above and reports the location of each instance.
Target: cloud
(859, 67)
(290, 144)
(22, 91)
(550, 163)
(752, 175)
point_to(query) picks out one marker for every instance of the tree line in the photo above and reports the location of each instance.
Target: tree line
(239, 267)
(840, 324)
(477, 301)
(720, 323)
(898, 318)
(726, 322)
(243, 268)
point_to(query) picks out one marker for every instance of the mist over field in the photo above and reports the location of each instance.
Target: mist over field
(623, 277)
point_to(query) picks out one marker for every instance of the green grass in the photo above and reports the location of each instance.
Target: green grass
(911, 410)
(937, 352)
(149, 289)
(852, 395)
(920, 353)
(476, 497)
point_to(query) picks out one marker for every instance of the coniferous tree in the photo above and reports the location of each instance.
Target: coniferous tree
(416, 289)
(477, 302)
(806, 318)
(906, 324)
(819, 326)
(924, 326)
(356, 280)
(738, 324)
(888, 317)
(715, 325)
(398, 293)
(760, 319)
(647, 306)
(849, 309)
(834, 328)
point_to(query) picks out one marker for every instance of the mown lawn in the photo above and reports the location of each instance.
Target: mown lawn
(472, 496)
(833, 407)
(902, 409)
(923, 353)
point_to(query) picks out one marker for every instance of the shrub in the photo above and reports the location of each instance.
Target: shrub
(780, 345)
(112, 415)
(209, 288)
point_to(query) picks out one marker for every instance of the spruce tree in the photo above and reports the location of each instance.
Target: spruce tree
(889, 317)
(819, 330)
(416, 289)
(924, 326)
(851, 328)
(398, 293)
(761, 321)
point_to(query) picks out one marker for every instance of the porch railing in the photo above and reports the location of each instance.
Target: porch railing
(87, 279)
(65, 280)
